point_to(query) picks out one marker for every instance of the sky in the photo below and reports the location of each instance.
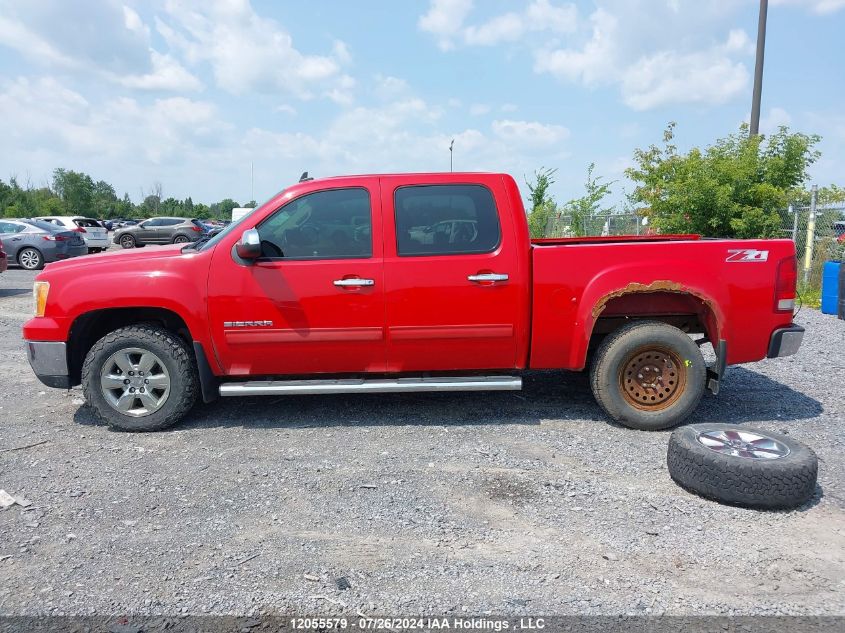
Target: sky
(236, 98)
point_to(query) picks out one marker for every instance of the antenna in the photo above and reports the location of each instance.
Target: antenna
(451, 153)
(304, 177)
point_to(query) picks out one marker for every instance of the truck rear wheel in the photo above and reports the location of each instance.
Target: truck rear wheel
(140, 378)
(648, 375)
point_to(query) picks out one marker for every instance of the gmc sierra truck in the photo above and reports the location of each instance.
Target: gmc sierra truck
(399, 283)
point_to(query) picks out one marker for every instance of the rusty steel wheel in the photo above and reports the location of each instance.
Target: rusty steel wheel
(652, 378)
(648, 375)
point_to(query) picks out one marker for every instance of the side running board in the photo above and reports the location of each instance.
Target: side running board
(364, 385)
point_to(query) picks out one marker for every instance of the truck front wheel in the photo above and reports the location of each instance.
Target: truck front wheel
(140, 378)
(648, 375)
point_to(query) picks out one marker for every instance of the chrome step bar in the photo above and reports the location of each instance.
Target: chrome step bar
(374, 385)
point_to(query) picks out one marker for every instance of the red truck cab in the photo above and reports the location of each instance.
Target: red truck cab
(411, 282)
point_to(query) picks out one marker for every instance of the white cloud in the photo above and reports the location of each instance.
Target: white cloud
(250, 53)
(651, 78)
(479, 109)
(820, 7)
(445, 20)
(595, 62)
(56, 35)
(668, 77)
(529, 133)
(56, 121)
(775, 118)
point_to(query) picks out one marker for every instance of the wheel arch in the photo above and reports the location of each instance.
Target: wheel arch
(688, 309)
(89, 327)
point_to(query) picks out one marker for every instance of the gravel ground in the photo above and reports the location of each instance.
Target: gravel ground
(504, 503)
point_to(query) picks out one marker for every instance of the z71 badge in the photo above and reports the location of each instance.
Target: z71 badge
(747, 255)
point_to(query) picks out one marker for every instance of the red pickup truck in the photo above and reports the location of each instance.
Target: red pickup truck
(415, 282)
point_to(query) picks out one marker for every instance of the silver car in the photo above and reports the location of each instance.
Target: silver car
(32, 243)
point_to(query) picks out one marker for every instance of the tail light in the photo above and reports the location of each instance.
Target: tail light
(194, 227)
(55, 238)
(79, 229)
(787, 278)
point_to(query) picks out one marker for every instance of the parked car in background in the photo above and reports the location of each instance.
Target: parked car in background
(95, 235)
(32, 243)
(4, 261)
(108, 224)
(161, 231)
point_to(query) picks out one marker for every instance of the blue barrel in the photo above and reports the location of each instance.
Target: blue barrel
(830, 287)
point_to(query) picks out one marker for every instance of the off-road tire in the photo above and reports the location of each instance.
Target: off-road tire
(127, 241)
(617, 349)
(785, 482)
(180, 365)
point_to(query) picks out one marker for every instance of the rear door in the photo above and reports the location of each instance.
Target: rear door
(314, 301)
(451, 275)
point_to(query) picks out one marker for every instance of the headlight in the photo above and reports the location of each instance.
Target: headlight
(40, 289)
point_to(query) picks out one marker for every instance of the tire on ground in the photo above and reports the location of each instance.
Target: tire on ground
(779, 483)
(619, 347)
(174, 354)
(128, 241)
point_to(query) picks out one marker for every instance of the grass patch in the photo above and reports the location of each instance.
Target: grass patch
(811, 297)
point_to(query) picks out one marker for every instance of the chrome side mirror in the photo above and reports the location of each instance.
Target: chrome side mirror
(249, 246)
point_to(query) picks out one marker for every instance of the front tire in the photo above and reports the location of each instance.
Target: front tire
(127, 241)
(140, 378)
(648, 375)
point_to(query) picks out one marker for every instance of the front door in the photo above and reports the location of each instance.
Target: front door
(314, 301)
(146, 232)
(452, 279)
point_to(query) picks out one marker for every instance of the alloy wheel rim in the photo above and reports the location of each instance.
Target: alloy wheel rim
(745, 444)
(29, 259)
(652, 378)
(135, 382)
(126, 241)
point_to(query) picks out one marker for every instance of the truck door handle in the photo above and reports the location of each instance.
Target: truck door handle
(488, 277)
(345, 283)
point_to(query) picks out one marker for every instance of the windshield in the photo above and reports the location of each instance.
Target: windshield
(215, 239)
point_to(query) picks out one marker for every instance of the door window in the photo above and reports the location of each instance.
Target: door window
(9, 228)
(445, 220)
(332, 224)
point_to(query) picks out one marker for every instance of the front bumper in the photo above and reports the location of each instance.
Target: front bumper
(48, 360)
(785, 341)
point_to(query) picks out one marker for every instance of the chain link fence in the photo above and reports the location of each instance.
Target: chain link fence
(612, 223)
(817, 230)
(819, 235)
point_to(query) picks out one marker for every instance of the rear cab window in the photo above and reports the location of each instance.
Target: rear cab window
(445, 220)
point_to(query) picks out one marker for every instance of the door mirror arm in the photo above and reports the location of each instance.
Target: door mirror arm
(248, 247)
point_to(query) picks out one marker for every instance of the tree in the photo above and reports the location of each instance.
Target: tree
(542, 207)
(588, 216)
(734, 188)
(76, 191)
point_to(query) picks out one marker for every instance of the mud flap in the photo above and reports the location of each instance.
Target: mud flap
(716, 371)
